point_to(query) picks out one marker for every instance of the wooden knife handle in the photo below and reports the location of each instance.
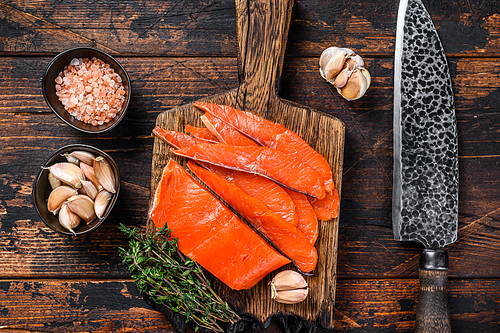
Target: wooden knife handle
(432, 308)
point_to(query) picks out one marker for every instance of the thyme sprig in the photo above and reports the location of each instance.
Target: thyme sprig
(162, 272)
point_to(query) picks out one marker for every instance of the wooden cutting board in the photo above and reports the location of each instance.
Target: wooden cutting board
(262, 30)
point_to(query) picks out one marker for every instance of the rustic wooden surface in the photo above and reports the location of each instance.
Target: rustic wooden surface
(179, 51)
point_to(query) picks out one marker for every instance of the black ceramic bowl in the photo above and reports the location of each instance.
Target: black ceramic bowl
(49, 87)
(42, 189)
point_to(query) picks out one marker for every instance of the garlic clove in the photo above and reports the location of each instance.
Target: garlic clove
(58, 196)
(355, 87)
(367, 76)
(89, 189)
(289, 287)
(67, 173)
(289, 279)
(341, 79)
(82, 206)
(68, 219)
(71, 159)
(331, 62)
(104, 174)
(83, 156)
(53, 181)
(291, 296)
(89, 173)
(101, 203)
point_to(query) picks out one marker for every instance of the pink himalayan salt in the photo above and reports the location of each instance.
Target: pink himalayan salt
(90, 90)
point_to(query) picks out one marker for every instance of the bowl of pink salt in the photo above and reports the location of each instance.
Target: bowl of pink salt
(87, 89)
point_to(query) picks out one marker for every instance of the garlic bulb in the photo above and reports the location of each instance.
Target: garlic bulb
(343, 68)
(289, 287)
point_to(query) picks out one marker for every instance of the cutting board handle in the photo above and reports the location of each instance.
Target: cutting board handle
(262, 28)
(432, 308)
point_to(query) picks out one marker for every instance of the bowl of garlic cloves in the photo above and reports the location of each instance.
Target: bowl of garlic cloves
(76, 189)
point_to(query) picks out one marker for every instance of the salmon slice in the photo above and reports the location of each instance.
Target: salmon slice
(328, 207)
(201, 133)
(175, 139)
(273, 195)
(267, 191)
(267, 162)
(307, 222)
(273, 135)
(291, 241)
(224, 132)
(209, 233)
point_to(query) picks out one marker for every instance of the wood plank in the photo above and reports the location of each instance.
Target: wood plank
(115, 305)
(176, 28)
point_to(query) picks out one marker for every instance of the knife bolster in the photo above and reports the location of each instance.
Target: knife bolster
(433, 259)
(432, 307)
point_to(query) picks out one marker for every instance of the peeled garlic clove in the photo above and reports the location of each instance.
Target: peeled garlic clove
(101, 203)
(53, 181)
(89, 173)
(89, 189)
(355, 87)
(291, 296)
(58, 196)
(104, 174)
(82, 206)
(83, 156)
(331, 62)
(289, 287)
(68, 219)
(67, 173)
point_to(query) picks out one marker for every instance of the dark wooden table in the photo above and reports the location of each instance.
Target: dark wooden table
(178, 51)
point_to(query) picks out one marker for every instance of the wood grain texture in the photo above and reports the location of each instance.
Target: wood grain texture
(432, 309)
(262, 33)
(168, 28)
(366, 245)
(179, 51)
(363, 305)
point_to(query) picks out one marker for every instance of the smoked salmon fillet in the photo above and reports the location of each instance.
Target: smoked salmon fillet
(272, 194)
(209, 233)
(307, 221)
(201, 133)
(267, 162)
(328, 207)
(224, 132)
(176, 139)
(291, 241)
(273, 135)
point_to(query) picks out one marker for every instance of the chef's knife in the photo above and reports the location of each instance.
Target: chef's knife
(425, 192)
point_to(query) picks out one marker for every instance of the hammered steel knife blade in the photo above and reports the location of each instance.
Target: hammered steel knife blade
(425, 187)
